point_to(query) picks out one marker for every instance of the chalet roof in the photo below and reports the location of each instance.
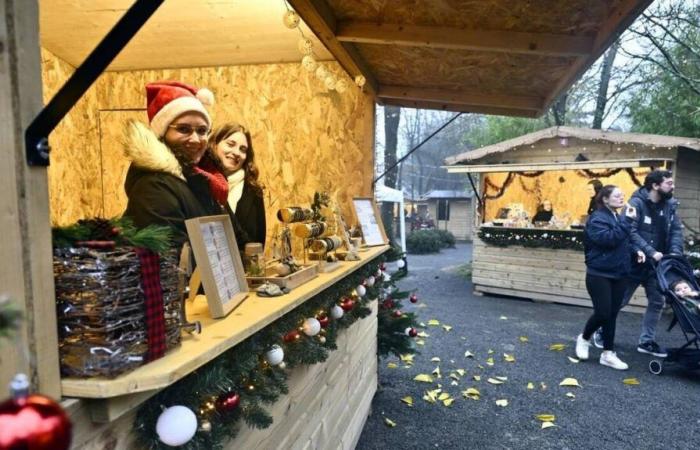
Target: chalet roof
(615, 137)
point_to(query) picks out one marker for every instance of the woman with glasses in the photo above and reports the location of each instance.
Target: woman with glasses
(231, 147)
(167, 182)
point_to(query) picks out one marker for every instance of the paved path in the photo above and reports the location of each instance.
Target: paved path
(660, 412)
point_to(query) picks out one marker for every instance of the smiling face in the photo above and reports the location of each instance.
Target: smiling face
(232, 151)
(615, 200)
(547, 205)
(188, 135)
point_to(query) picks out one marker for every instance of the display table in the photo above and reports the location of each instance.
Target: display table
(336, 393)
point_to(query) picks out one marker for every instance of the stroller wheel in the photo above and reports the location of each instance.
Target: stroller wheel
(656, 367)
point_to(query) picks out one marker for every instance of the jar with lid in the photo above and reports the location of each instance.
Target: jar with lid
(254, 259)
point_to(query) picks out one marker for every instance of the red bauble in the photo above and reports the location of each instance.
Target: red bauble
(411, 332)
(413, 298)
(382, 267)
(34, 422)
(397, 313)
(291, 336)
(228, 401)
(347, 304)
(324, 321)
(388, 303)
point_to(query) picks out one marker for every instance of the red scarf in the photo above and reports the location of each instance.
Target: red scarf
(217, 181)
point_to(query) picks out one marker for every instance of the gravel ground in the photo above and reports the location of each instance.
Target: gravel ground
(661, 412)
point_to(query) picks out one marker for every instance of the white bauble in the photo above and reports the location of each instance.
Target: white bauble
(275, 355)
(176, 425)
(308, 63)
(311, 326)
(361, 291)
(341, 86)
(306, 46)
(400, 263)
(370, 281)
(329, 82)
(337, 312)
(291, 20)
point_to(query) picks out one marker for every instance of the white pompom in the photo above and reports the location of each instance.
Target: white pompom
(176, 425)
(206, 97)
(361, 291)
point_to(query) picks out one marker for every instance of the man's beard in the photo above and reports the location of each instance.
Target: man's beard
(666, 195)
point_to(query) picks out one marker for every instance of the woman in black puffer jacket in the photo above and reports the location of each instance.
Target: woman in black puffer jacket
(608, 260)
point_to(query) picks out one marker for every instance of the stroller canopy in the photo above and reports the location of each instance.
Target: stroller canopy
(672, 268)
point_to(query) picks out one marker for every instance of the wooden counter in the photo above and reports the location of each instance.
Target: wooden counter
(218, 335)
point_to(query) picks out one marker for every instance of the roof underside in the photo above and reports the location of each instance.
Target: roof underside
(510, 57)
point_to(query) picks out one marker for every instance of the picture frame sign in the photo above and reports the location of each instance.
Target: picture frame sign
(219, 262)
(369, 220)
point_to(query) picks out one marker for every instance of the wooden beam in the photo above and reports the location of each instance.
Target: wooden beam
(460, 97)
(622, 17)
(463, 39)
(460, 107)
(573, 165)
(320, 19)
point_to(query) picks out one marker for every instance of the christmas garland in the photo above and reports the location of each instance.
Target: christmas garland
(589, 174)
(537, 238)
(106, 234)
(239, 383)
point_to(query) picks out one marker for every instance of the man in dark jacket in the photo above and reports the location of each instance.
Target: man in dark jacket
(657, 231)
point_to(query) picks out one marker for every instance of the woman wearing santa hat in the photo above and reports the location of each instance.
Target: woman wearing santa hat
(168, 182)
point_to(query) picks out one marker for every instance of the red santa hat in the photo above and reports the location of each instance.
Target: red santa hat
(167, 100)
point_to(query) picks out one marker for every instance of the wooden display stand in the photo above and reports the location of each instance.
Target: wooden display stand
(301, 276)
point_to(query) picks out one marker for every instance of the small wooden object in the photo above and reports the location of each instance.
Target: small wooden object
(219, 263)
(367, 216)
(290, 281)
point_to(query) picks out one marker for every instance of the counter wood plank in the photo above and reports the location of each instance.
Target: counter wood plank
(218, 335)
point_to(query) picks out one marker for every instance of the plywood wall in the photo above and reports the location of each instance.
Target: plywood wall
(305, 137)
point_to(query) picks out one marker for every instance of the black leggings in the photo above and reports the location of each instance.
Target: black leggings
(606, 294)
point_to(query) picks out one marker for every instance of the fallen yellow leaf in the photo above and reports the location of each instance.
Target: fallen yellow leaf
(421, 324)
(490, 352)
(471, 393)
(422, 305)
(477, 377)
(631, 381)
(557, 347)
(433, 322)
(435, 359)
(480, 366)
(489, 361)
(408, 400)
(423, 334)
(390, 423)
(436, 372)
(546, 417)
(523, 339)
(502, 402)
(468, 354)
(461, 372)
(420, 342)
(447, 327)
(571, 395)
(530, 386)
(503, 318)
(454, 383)
(443, 396)
(543, 386)
(392, 365)
(494, 381)
(448, 401)
(508, 358)
(570, 382)
(454, 376)
(547, 425)
(424, 377)
(502, 378)
(407, 358)
(573, 360)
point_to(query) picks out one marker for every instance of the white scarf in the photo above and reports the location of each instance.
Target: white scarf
(235, 188)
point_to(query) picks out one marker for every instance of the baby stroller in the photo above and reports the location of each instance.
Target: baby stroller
(670, 269)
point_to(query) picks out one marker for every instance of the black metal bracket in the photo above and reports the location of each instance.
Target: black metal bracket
(36, 136)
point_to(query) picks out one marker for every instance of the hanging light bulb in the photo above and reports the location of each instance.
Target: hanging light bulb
(341, 86)
(360, 80)
(291, 19)
(306, 46)
(308, 63)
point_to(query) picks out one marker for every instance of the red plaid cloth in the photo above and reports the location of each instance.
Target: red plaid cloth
(155, 314)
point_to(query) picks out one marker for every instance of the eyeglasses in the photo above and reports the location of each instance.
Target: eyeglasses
(186, 129)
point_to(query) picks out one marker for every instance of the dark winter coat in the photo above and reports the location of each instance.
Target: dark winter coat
(250, 211)
(607, 244)
(647, 237)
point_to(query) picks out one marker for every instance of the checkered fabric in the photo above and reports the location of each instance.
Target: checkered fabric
(155, 314)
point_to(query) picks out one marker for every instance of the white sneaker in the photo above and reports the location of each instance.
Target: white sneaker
(582, 347)
(610, 359)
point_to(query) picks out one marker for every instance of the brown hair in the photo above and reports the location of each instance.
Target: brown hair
(251, 169)
(604, 192)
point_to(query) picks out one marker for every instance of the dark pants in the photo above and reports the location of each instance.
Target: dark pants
(606, 294)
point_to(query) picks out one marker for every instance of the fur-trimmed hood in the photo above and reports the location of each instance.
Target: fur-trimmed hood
(147, 152)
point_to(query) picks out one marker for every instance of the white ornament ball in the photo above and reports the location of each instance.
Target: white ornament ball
(306, 46)
(176, 425)
(360, 80)
(311, 326)
(329, 82)
(321, 73)
(341, 86)
(337, 312)
(370, 281)
(361, 291)
(275, 355)
(400, 263)
(308, 63)
(291, 19)
(322, 340)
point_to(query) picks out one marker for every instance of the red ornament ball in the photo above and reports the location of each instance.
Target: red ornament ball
(291, 336)
(388, 303)
(413, 298)
(228, 401)
(397, 313)
(34, 422)
(347, 304)
(324, 320)
(411, 332)
(382, 267)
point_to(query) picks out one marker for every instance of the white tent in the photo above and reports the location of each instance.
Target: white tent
(383, 193)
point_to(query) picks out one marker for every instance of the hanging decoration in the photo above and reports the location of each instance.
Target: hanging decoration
(542, 238)
(590, 174)
(176, 425)
(291, 19)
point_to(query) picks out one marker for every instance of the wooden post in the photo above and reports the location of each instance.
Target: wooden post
(25, 252)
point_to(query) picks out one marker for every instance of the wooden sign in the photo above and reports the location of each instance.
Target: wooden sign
(369, 219)
(218, 262)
